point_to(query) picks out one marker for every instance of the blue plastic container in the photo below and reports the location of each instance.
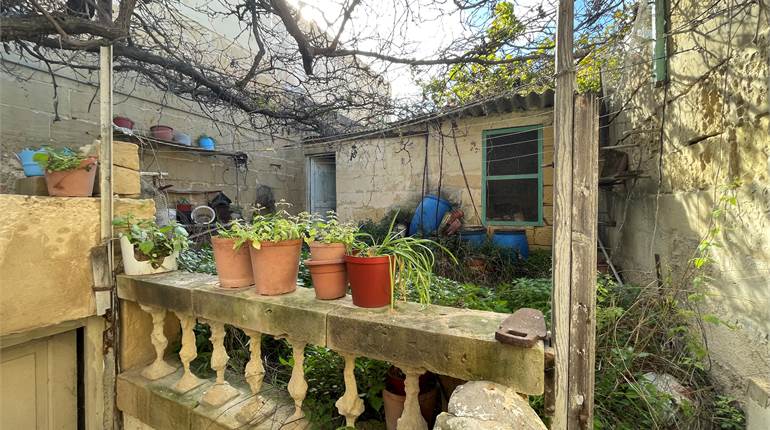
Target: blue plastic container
(428, 215)
(474, 236)
(26, 157)
(515, 240)
(206, 142)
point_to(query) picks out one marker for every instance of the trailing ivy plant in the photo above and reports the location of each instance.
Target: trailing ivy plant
(411, 262)
(151, 242)
(331, 230)
(60, 160)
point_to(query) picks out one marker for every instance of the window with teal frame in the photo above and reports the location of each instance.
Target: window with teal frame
(512, 176)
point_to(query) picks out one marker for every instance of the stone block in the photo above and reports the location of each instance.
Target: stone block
(543, 236)
(488, 406)
(447, 341)
(125, 181)
(297, 315)
(172, 290)
(547, 195)
(32, 186)
(45, 261)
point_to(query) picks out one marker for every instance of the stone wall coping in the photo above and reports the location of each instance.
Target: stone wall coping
(448, 341)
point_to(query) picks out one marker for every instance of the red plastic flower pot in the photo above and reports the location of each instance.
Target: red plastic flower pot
(369, 280)
(124, 122)
(162, 132)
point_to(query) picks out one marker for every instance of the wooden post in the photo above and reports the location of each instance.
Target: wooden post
(582, 330)
(562, 209)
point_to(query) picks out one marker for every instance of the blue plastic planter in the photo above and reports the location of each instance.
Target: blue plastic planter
(474, 236)
(515, 240)
(428, 215)
(26, 157)
(206, 142)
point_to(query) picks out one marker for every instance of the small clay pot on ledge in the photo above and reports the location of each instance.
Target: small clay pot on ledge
(233, 265)
(327, 251)
(330, 279)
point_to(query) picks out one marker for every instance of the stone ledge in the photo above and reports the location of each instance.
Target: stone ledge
(449, 341)
(156, 405)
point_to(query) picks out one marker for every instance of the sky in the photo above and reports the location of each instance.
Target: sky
(430, 30)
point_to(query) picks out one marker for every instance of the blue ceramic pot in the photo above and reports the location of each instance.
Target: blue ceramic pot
(206, 142)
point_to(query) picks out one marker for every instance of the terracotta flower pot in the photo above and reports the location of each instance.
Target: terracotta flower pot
(394, 406)
(162, 132)
(369, 280)
(73, 183)
(233, 265)
(124, 122)
(330, 280)
(275, 266)
(327, 251)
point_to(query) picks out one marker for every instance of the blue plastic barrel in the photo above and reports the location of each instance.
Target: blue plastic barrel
(26, 157)
(515, 240)
(474, 236)
(428, 215)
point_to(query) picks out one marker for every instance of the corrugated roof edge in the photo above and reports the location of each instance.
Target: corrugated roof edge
(506, 103)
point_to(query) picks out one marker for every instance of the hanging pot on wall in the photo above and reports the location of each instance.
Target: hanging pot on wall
(133, 266)
(233, 265)
(162, 132)
(276, 266)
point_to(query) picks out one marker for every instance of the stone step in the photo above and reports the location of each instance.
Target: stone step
(157, 407)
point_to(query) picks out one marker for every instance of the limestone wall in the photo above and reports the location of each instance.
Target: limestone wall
(28, 118)
(377, 174)
(708, 128)
(45, 265)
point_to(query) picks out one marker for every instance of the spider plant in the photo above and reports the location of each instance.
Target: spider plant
(411, 261)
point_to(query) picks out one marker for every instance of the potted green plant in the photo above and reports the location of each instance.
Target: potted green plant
(231, 258)
(148, 248)
(398, 262)
(328, 240)
(67, 173)
(276, 243)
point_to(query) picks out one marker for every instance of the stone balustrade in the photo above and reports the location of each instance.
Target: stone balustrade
(454, 342)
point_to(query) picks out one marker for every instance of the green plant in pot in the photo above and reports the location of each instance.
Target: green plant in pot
(67, 173)
(148, 248)
(276, 243)
(329, 239)
(231, 257)
(397, 263)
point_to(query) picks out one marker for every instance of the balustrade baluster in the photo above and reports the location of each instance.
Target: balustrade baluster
(297, 384)
(159, 368)
(255, 373)
(412, 418)
(187, 354)
(221, 392)
(350, 405)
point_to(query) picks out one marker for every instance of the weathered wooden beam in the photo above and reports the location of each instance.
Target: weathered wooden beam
(562, 209)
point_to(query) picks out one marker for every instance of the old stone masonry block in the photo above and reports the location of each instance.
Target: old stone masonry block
(488, 406)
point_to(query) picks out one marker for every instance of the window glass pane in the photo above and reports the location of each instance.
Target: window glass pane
(512, 153)
(512, 200)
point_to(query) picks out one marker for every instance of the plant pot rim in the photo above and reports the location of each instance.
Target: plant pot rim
(289, 242)
(89, 161)
(316, 243)
(161, 127)
(311, 263)
(379, 259)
